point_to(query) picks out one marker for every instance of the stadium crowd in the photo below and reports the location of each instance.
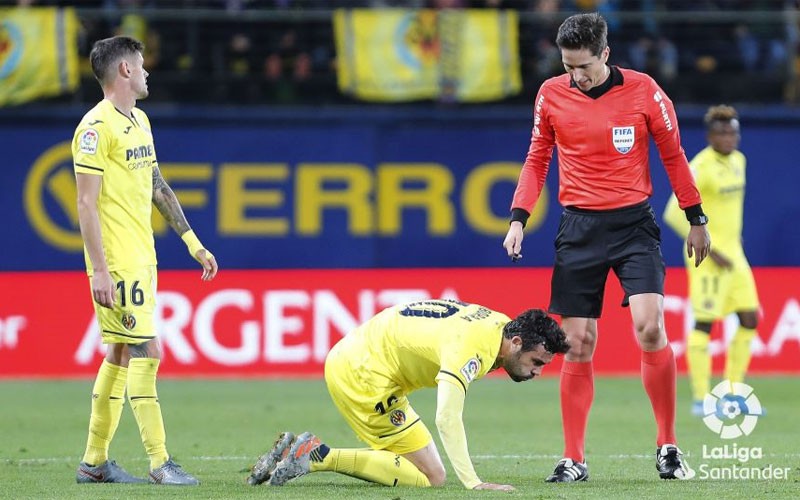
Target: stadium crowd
(282, 51)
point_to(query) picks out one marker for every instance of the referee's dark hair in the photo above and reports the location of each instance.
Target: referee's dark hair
(106, 54)
(535, 327)
(583, 31)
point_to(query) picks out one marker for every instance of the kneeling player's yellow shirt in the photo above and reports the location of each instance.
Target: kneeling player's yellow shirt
(415, 345)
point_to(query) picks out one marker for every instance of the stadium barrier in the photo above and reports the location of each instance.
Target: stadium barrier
(282, 323)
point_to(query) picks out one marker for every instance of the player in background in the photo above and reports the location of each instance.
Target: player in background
(600, 117)
(118, 182)
(724, 285)
(372, 370)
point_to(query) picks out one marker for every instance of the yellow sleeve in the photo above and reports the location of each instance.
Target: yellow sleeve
(90, 148)
(675, 218)
(449, 407)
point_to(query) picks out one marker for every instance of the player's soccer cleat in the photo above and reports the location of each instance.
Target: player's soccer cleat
(670, 463)
(568, 471)
(697, 409)
(107, 472)
(297, 462)
(172, 473)
(266, 463)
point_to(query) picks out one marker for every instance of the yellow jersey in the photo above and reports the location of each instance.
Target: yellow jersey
(415, 345)
(721, 182)
(121, 150)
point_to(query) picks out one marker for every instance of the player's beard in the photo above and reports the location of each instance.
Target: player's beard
(142, 92)
(512, 369)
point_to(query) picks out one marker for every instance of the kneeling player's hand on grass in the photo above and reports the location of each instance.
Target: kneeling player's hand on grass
(493, 486)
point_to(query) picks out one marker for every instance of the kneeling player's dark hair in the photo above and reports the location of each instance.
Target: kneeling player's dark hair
(535, 327)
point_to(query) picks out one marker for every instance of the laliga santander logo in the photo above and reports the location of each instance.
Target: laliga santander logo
(724, 405)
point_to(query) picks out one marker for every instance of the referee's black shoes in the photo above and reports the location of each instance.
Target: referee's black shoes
(568, 471)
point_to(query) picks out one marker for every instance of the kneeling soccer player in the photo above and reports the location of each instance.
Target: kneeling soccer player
(370, 372)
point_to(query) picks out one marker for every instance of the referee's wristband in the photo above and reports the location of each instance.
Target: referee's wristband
(694, 211)
(192, 242)
(519, 215)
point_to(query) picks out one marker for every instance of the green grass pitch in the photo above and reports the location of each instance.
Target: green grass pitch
(216, 429)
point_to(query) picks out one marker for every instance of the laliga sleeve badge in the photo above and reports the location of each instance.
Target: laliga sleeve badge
(87, 143)
(470, 369)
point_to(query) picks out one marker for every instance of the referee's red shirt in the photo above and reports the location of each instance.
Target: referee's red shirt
(603, 145)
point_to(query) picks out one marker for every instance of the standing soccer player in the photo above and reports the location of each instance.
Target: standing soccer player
(370, 373)
(600, 117)
(725, 284)
(118, 181)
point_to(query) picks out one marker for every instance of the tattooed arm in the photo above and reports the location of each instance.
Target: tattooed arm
(167, 203)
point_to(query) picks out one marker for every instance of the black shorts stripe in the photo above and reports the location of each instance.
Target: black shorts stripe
(143, 397)
(89, 167)
(144, 337)
(455, 377)
(401, 430)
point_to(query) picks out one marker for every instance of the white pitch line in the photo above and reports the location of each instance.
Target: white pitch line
(24, 461)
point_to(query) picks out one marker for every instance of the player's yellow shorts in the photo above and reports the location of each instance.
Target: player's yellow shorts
(131, 319)
(382, 418)
(716, 292)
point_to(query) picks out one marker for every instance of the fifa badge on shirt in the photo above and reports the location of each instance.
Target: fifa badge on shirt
(470, 369)
(623, 138)
(88, 141)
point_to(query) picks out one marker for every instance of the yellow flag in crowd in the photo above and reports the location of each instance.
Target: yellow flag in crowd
(402, 55)
(38, 53)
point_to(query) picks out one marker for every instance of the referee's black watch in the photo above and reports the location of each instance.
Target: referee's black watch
(698, 220)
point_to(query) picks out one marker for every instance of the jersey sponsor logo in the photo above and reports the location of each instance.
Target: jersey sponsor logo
(87, 143)
(663, 107)
(128, 320)
(537, 115)
(139, 152)
(470, 369)
(623, 138)
(397, 418)
(142, 156)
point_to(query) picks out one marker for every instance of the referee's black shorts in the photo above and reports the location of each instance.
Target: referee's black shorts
(589, 243)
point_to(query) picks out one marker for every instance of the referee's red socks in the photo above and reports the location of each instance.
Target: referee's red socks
(577, 393)
(658, 378)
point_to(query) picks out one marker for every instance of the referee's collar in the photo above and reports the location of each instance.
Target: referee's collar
(615, 78)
